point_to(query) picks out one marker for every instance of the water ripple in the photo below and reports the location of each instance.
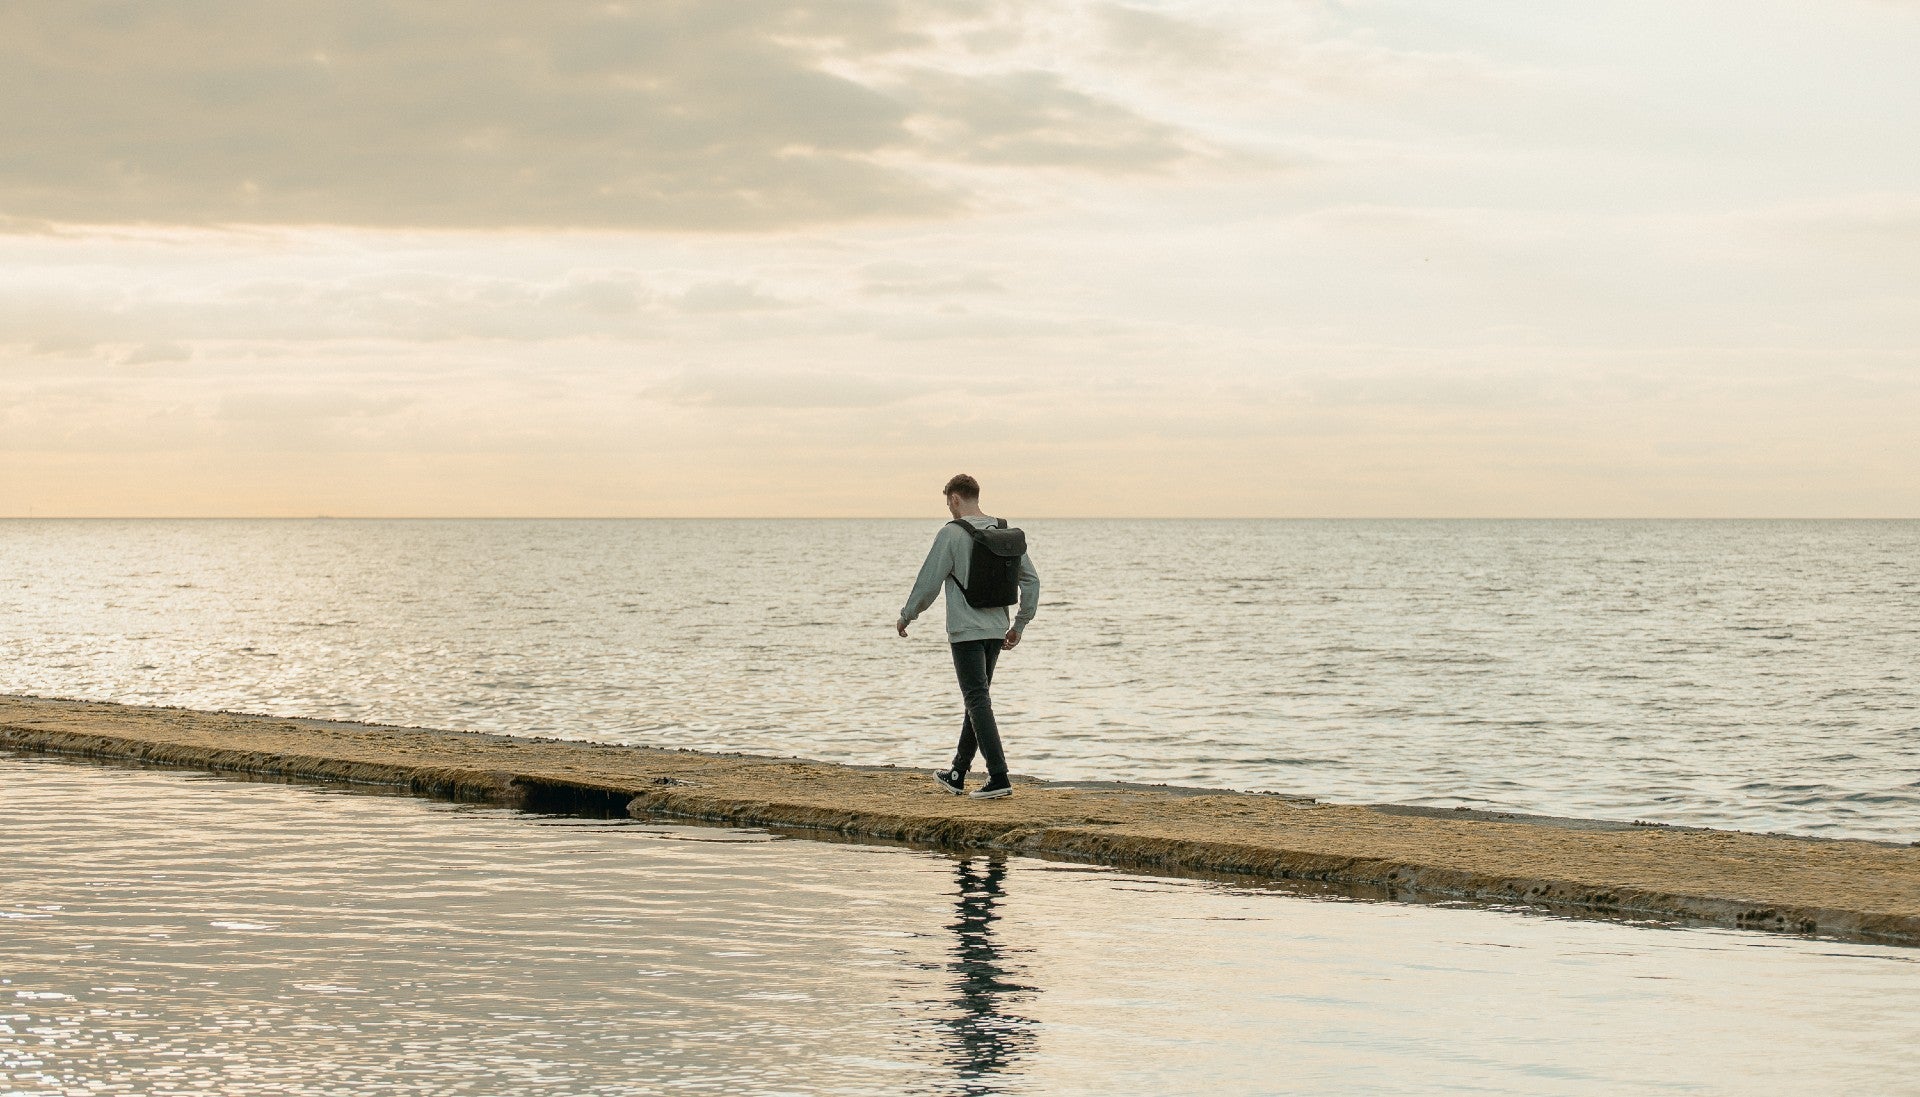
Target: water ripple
(1686, 672)
(171, 935)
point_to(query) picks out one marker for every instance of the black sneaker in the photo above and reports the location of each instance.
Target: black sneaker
(995, 788)
(953, 781)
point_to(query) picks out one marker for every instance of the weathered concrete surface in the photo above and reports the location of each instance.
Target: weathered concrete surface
(1863, 890)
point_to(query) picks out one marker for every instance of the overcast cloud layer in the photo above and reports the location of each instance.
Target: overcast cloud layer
(696, 114)
(762, 257)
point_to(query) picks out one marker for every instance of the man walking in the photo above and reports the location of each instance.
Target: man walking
(976, 633)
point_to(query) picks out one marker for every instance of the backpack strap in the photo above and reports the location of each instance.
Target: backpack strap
(974, 531)
(964, 524)
(974, 535)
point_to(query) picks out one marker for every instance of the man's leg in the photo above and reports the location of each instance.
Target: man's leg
(968, 665)
(973, 663)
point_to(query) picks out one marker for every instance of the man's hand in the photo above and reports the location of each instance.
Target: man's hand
(1013, 638)
(901, 628)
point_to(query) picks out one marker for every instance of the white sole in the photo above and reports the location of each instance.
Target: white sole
(994, 795)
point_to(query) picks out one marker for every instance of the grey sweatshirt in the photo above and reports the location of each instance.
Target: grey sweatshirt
(946, 567)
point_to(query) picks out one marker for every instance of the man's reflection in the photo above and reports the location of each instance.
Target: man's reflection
(985, 1038)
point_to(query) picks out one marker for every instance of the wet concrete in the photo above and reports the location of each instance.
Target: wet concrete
(1863, 890)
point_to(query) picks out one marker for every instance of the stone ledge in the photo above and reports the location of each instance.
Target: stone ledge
(1860, 890)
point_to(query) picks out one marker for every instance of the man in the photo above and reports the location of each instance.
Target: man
(976, 635)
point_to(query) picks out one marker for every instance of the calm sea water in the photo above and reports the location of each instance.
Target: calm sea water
(1759, 675)
(168, 935)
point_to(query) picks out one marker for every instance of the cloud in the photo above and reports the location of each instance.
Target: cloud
(149, 320)
(274, 407)
(604, 295)
(1034, 119)
(695, 115)
(1875, 218)
(797, 389)
(728, 296)
(908, 280)
(1156, 36)
(150, 353)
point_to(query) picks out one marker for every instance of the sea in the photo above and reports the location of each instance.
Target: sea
(172, 933)
(1759, 675)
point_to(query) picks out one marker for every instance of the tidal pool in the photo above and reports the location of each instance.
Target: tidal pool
(170, 933)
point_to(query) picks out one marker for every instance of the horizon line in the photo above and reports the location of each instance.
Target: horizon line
(929, 517)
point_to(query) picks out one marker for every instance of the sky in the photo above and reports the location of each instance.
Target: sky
(1223, 258)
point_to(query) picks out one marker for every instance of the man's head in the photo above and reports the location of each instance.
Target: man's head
(963, 495)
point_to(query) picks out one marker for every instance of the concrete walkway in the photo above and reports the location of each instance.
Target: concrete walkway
(1864, 890)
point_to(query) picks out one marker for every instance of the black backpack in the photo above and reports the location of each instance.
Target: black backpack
(994, 570)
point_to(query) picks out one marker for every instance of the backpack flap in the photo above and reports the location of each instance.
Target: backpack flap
(998, 540)
(1003, 542)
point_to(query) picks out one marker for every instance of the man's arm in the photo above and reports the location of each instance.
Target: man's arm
(1029, 600)
(926, 586)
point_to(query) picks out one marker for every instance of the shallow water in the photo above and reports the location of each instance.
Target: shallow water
(1759, 675)
(164, 933)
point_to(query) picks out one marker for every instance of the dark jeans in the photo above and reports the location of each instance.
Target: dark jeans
(973, 662)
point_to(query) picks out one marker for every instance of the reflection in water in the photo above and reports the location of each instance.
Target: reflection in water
(985, 1039)
(165, 935)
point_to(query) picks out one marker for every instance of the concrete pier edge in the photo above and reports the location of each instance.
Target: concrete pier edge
(1832, 888)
